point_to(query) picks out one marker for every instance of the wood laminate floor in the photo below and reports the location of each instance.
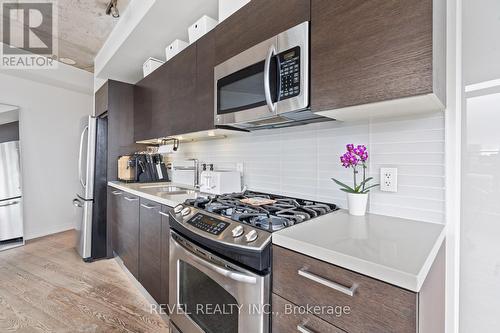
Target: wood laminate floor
(46, 287)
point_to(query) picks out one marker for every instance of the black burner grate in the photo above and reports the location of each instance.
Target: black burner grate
(283, 213)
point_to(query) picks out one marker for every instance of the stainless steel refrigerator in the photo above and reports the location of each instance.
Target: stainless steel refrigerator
(90, 200)
(11, 210)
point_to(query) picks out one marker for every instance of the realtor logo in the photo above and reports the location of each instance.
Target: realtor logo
(28, 35)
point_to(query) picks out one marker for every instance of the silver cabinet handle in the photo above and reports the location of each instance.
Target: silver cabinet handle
(12, 203)
(267, 87)
(328, 283)
(130, 199)
(303, 329)
(116, 193)
(163, 214)
(148, 206)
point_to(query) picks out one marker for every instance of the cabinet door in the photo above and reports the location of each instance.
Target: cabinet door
(256, 22)
(128, 215)
(369, 51)
(114, 196)
(101, 100)
(205, 63)
(142, 110)
(165, 253)
(120, 124)
(160, 86)
(150, 247)
(182, 111)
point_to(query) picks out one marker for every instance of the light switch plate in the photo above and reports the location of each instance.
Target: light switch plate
(389, 179)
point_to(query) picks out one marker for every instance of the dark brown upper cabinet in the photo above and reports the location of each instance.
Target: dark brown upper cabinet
(182, 111)
(121, 124)
(177, 98)
(101, 100)
(205, 63)
(143, 108)
(365, 52)
(256, 22)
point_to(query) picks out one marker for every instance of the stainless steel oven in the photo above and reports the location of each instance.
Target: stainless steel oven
(266, 85)
(210, 294)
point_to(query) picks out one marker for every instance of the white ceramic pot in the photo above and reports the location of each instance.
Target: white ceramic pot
(357, 203)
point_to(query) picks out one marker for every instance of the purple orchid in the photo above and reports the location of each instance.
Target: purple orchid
(352, 158)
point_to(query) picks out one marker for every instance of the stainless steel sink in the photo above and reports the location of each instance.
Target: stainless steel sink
(168, 189)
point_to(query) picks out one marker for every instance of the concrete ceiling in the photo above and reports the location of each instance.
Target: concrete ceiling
(135, 39)
(82, 29)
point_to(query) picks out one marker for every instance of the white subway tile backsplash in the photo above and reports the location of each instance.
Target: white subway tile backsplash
(300, 162)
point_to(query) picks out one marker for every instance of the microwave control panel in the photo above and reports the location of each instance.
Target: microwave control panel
(289, 72)
(208, 224)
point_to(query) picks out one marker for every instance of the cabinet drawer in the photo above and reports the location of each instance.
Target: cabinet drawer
(288, 318)
(373, 306)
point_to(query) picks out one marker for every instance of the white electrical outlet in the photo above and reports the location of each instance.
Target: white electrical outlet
(389, 179)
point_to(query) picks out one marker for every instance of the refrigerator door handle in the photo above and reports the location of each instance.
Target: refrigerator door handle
(80, 157)
(12, 203)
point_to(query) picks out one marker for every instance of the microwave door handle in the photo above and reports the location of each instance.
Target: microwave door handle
(267, 86)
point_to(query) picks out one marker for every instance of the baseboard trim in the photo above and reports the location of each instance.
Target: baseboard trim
(141, 289)
(49, 231)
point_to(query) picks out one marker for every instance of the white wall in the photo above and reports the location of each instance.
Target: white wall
(300, 161)
(49, 135)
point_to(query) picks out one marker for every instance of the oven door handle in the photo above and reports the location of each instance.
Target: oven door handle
(216, 268)
(267, 74)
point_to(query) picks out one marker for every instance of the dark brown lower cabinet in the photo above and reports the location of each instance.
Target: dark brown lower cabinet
(127, 215)
(369, 306)
(140, 237)
(290, 318)
(310, 295)
(114, 196)
(150, 239)
(165, 254)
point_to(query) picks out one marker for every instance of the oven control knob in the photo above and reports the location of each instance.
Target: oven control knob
(178, 209)
(251, 236)
(185, 211)
(237, 231)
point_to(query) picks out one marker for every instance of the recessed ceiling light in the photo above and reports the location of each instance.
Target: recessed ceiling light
(67, 61)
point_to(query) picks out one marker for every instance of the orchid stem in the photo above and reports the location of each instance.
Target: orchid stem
(364, 176)
(355, 172)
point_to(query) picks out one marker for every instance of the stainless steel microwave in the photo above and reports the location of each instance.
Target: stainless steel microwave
(267, 85)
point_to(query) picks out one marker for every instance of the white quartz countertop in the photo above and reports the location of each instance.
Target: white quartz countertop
(394, 250)
(152, 191)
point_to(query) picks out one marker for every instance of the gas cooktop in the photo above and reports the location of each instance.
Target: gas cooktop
(264, 211)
